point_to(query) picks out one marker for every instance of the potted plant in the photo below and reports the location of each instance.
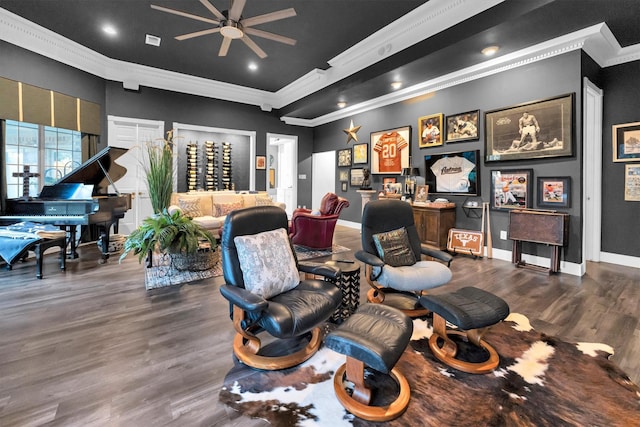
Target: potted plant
(189, 246)
(159, 171)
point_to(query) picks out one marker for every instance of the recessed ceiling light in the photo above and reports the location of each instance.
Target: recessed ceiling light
(396, 85)
(253, 66)
(109, 29)
(342, 104)
(490, 50)
(152, 40)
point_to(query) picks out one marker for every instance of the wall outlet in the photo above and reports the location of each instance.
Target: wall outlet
(503, 234)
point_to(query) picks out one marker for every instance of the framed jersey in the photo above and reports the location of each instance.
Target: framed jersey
(390, 150)
(453, 173)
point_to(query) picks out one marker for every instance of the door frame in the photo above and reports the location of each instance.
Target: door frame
(293, 163)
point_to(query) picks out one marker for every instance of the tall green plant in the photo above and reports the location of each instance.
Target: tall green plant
(159, 172)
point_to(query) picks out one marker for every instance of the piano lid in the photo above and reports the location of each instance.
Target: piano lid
(93, 170)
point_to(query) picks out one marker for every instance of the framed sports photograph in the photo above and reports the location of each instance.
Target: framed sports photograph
(554, 192)
(261, 162)
(343, 175)
(422, 194)
(360, 153)
(632, 183)
(511, 189)
(534, 130)
(463, 126)
(430, 129)
(390, 150)
(453, 173)
(626, 142)
(356, 176)
(344, 157)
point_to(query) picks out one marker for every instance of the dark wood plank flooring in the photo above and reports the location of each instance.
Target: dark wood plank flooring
(90, 346)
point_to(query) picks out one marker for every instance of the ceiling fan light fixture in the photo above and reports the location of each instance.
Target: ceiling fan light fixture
(231, 29)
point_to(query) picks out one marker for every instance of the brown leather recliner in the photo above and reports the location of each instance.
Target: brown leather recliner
(316, 231)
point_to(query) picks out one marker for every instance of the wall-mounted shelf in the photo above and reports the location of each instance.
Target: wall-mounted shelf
(472, 207)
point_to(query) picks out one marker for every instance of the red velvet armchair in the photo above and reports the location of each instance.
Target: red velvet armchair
(316, 231)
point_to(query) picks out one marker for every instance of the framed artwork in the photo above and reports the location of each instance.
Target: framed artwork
(344, 157)
(261, 162)
(463, 126)
(390, 150)
(389, 180)
(626, 142)
(356, 177)
(453, 173)
(360, 153)
(422, 192)
(511, 189)
(430, 130)
(343, 176)
(272, 178)
(632, 183)
(534, 130)
(554, 192)
(344, 187)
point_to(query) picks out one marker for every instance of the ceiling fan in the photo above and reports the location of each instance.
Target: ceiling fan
(232, 25)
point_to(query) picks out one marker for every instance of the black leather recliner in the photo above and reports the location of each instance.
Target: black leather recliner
(292, 314)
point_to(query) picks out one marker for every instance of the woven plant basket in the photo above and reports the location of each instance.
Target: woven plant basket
(201, 260)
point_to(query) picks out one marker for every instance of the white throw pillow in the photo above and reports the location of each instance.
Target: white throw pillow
(267, 263)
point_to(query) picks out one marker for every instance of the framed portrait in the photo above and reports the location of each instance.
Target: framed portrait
(511, 189)
(554, 192)
(261, 162)
(626, 142)
(430, 129)
(534, 130)
(453, 173)
(360, 153)
(343, 176)
(422, 194)
(632, 183)
(390, 150)
(344, 157)
(356, 177)
(344, 187)
(463, 126)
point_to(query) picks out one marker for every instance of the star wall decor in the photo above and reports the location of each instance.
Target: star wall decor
(352, 132)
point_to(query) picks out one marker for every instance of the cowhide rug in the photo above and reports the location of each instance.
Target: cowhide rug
(541, 381)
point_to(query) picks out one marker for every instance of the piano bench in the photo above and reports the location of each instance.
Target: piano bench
(40, 246)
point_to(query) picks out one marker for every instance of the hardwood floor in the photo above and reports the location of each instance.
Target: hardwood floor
(90, 346)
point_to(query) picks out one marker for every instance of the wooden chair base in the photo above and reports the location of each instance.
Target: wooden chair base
(377, 296)
(446, 352)
(358, 403)
(247, 352)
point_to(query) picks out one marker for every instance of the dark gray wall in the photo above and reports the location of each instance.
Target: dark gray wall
(620, 219)
(549, 78)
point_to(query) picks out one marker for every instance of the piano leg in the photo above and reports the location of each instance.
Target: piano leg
(71, 243)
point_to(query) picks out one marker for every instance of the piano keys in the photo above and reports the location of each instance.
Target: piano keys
(79, 198)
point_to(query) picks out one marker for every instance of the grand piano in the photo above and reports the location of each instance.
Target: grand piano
(79, 198)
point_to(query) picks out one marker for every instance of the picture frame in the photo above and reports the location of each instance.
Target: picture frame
(511, 189)
(389, 180)
(344, 157)
(453, 173)
(360, 153)
(422, 194)
(463, 126)
(343, 175)
(356, 177)
(554, 192)
(534, 130)
(261, 162)
(626, 142)
(430, 130)
(344, 187)
(390, 150)
(632, 183)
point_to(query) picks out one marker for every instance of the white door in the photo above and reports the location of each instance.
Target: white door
(133, 134)
(282, 153)
(323, 179)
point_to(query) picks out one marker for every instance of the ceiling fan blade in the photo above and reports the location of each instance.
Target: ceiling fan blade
(270, 36)
(185, 14)
(236, 9)
(198, 34)
(224, 47)
(254, 47)
(212, 9)
(269, 17)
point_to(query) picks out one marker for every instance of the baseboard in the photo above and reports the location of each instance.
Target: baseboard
(626, 260)
(350, 224)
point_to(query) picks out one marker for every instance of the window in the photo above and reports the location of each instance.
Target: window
(49, 152)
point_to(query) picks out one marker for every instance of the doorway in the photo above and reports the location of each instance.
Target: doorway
(323, 177)
(282, 169)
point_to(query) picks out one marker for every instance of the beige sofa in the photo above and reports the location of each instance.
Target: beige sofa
(210, 208)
